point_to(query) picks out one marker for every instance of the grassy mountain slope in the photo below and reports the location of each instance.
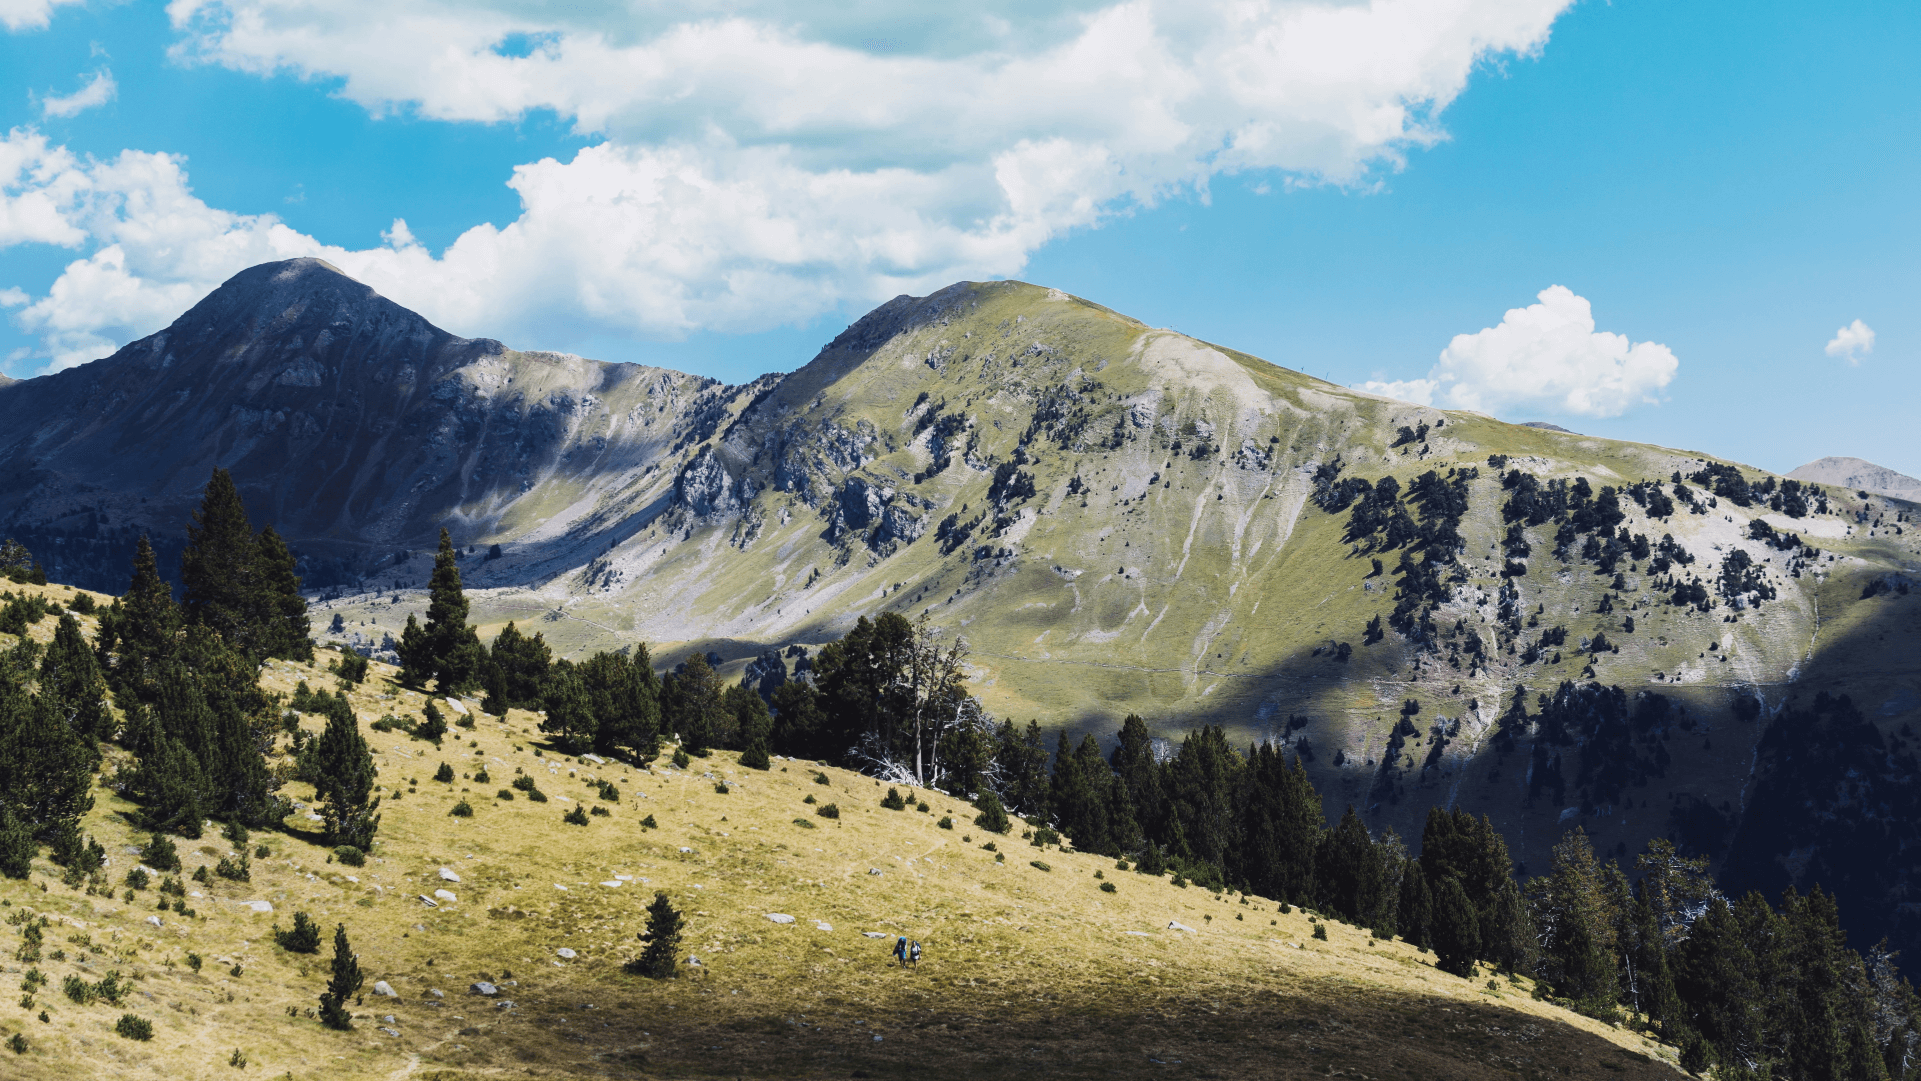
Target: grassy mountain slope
(1170, 562)
(1025, 969)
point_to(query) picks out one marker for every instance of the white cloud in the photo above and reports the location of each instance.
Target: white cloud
(766, 167)
(17, 15)
(1544, 356)
(1852, 342)
(100, 89)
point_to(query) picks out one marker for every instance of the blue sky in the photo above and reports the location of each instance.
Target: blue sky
(1359, 191)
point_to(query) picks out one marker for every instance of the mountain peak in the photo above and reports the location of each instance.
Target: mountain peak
(1861, 475)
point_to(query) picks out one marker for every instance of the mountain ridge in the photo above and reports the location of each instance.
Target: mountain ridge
(1859, 473)
(1118, 519)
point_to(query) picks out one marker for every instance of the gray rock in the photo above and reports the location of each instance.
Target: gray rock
(385, 989)
(779, 917)
(445, 895)
(388, 1031)
(565, 954)
(447, 875)
(153, 921)
(504, 1004)
(482, 987)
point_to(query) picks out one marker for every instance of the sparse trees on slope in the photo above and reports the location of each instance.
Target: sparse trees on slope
(242, 586)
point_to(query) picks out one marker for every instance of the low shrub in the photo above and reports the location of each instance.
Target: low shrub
(649, 823)
(893, 801)
(304, 938)
(445, 774)
(575, 817)
(463, 809)
(134, 1028)
(1038, 865)
(1108, 887)
(351, 856)
(803, 823)
(829, 810)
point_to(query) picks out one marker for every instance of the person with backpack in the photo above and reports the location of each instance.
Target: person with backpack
(900, 950)
(913, 954)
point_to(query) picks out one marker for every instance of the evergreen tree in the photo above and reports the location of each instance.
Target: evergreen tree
(748, 718)
(286, 631)
(664, 927)
(1577, 919)
(799, 726)
(1139, 774)
(517, 671)
(1647, 980)
(1280, 823)
(1021, 760)
(1077, 799)
(993, 817)
(220, 570)
(17, 846)
(1348, 871)
(446, 649)
(346, 780)
(1416, 906)
(171, 788)
(46, 771)
(342, 985)
(570, 711)
(1456, 929)
(147, 625)
(1721, 982)
(70, 677)
(1200, 784)
(698, 714)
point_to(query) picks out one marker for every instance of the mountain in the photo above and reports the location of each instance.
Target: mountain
(1547, 628)
(1861, 475)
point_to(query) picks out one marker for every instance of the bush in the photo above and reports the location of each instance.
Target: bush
(989, 847)
(134, 1028)
(575, 817)
(1038, 865)
(608, 792)
(649, 823)
(304, 938)
(137, 879)
(810, 799)
(681, 761)
(755, 756)
(945, 823)
(83, 603)
(829, 810)
(445, 774)
(1044, 837)
(463, 809)
(524, 783)
(893, 801)
(505, 793)
(480, 776)
(922, 807)
(160, 854)
(601, 811)
(720, 788)
(18, 1045)
(1320, 931)
(351, 856)
(821, 778)
(803, 823)
(241, 871)
(1108, 887)
(993, 817)
(535, 795)
(200, 874)
(194, 962)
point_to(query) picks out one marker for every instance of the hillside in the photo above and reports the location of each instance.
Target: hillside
(1116, 518)
(1860, 474)
(1024, 968)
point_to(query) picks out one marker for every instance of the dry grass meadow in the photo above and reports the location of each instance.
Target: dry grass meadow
(1027, 971)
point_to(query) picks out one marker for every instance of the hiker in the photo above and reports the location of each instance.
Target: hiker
(913, 954)
(900, 950)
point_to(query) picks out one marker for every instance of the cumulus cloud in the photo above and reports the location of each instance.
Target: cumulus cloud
(1544, 356)
(100, 89)
(765, 167)
(1852, 342)
(17, 15)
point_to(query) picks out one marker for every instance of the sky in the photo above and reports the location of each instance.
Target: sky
(1687, 224)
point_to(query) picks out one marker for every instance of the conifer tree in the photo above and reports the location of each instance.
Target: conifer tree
(17, 846)
(570, 711)
(171, 788)
(664, 927)
(698, 710)
(342, 985)
(46, 772)
(1280, 821)
(1020, 757)
(516, 671)
(287, 632)
(146, 628)
(220, 570)
(445, 649)
(1456, 931)
(70, 677)
(1138, 774)
(992, 817)
(346, 779)
(1416, 906)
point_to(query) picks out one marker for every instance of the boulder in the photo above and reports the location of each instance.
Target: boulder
(385, 989)
(565, 954)
(1176, 925)
(447, 875)
(779, 917)
(482, 987)
(445, 895)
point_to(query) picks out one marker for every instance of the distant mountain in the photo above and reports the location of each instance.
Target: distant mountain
(1117, 519)
(1545, 426)
(1860, 475)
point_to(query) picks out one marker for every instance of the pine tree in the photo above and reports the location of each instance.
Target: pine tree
(46, 772)
(344, 984)
(147, 626)
(17, 846)
(1139, 775)
(747, 718)
(1021, 759)
(697, 704)
(172, 789)
(346, 780)
(664, 927)
(570, 711)
(1456, 931)
(287, 631)
(1348, 870)
(220, 570)
(1416, 906)
(449, 652)
(1280, 822)
(624, 695)
(521, 664)
(993, 817)
(1577, 917)
(70, 677)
